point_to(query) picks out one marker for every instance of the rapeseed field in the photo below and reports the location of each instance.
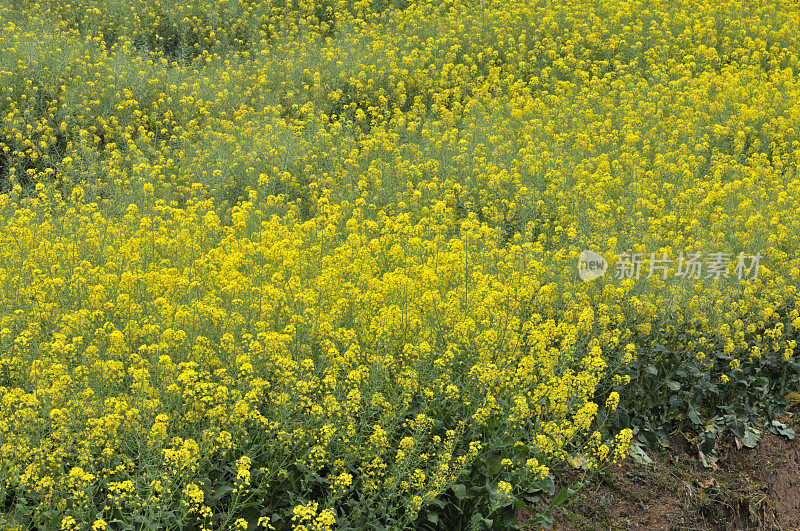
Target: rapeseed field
(317, 264)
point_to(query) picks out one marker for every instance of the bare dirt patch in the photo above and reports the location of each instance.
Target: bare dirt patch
(756, 488)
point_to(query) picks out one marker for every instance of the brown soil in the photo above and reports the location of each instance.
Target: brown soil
(756, 488)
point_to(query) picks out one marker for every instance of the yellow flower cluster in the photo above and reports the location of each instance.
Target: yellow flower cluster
(330, 248)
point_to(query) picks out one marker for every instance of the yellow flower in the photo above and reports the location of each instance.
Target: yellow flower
(612, 401)
(69, 522)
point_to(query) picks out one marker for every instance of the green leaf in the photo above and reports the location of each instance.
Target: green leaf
(547, 485)
(601, 416)
(493, 466)
(562, 496)
(660, 348)
(545, 519)
(475, 521)
(779, 428)
(639, 455)
(624, 418)
(708, 439)
(522, 450)
(648, 438)
(709, 461)
(459, 490)
(751, 437)
(673, 385)
(738, 428)
(221, 493)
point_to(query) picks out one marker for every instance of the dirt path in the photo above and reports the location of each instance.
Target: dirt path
(755, 488)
